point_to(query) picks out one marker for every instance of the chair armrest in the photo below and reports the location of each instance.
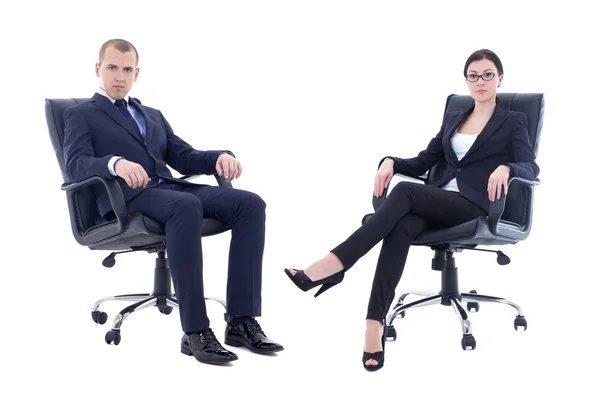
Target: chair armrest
(497, 207)
(117, 201)
(220, 180)
(378, 201)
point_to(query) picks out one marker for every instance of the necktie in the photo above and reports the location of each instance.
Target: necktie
(121, 105)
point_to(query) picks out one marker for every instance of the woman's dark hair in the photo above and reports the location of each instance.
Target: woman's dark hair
(485, 54)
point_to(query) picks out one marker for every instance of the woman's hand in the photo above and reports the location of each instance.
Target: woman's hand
(383, 176)
(498, 180)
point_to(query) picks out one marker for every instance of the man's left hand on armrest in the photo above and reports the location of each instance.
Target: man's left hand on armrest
(228, 167)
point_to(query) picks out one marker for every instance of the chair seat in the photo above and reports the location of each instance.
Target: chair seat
(473, 232)
(143, 231)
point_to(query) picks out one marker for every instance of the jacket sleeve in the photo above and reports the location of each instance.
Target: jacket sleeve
(185, 159)
(78, 151)
(424, 161)
(524, 165)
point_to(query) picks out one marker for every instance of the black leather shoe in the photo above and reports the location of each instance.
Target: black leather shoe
(249, 334)
(205, 347)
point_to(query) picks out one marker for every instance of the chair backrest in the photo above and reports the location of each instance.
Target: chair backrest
(55, 109)
(531, 104)
(518, 202)
(88, 214)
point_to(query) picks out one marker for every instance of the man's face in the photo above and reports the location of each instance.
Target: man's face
(117, 72)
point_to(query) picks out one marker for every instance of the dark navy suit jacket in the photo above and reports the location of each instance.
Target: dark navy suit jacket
(503, 141)
(95, 131)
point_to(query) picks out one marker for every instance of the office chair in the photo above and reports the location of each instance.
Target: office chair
(124, 233)
(509, 222)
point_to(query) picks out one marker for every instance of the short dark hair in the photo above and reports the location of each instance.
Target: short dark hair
(120, 44)
(484, 54)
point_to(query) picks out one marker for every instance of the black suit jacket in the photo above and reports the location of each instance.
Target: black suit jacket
(503, 141)
(95, 131)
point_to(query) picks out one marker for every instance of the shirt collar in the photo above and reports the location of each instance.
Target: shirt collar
(103, 93)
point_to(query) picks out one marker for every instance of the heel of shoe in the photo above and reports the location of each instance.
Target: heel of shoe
(186, 351)
(333, 280)
(234, 343)
(325, 287)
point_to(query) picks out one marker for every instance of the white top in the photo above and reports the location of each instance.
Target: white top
(461, 143)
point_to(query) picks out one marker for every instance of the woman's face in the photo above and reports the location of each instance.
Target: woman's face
(483, 80)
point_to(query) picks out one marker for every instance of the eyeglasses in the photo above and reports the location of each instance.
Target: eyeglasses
(486, 76)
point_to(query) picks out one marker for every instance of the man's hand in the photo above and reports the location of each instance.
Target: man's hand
(383, 177)
(134, 174)
(229, 167)
(498, 180)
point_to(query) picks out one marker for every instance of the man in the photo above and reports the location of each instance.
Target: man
(114, 136)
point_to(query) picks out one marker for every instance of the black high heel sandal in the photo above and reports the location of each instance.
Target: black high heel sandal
(304, 283)
(378, 355)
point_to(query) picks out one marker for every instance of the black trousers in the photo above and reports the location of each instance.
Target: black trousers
(406, 212)
(182, 208)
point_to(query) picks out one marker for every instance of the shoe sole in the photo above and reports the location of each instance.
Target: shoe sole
(235, 343)
(188, 352)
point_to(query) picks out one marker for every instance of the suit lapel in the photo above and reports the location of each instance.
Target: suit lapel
(109, 108)
(492, 126)
(450, 131)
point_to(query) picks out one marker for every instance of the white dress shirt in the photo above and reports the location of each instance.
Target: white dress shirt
(461, 143)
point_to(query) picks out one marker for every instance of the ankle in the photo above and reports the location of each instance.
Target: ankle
(334, 263)
(235, 320)
(373, 324)
(198, 332)
(323, 268)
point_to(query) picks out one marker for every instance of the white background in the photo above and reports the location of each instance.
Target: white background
(309, 95)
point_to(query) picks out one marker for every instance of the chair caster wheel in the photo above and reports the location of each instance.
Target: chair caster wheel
(468, 342)
(391, 333)
(113, 337)
(167, 310)
(520, 321)
(473, 306)
(99, 317)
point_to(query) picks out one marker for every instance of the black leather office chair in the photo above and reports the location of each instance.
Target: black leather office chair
(122, 234)
(509, 222)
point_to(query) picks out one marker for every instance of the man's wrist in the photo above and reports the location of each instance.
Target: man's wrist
(112, 164)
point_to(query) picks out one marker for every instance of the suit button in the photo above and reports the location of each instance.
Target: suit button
(458, 169)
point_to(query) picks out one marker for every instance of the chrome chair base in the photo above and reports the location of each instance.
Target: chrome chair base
(161, 297)
(472, 298)
(164, 302)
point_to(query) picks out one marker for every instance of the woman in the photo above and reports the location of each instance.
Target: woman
(480, 149)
